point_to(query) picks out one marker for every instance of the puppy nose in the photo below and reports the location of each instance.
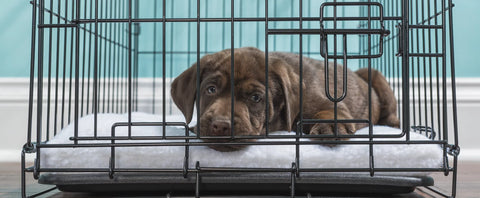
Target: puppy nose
(220, 128)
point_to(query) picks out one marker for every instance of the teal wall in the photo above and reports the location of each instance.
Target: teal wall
(467, 37)
(15, 31)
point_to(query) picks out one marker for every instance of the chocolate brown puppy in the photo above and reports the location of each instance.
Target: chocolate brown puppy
(283, 95)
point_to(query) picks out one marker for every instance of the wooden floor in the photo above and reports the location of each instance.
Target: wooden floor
(468, 184)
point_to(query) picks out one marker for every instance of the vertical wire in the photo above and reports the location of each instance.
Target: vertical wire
(126, 61)
(297, 149)
(430, 68)
(396, 75)
(108, 35)
(187, 147)
(413, 70)
(100, 55)
(154, 56)
(84, 59)
(134, 71)
(121, 58)
(64, 66)
(440, 129)
(124, 91)
(95, 74)
(386, 57)
(364, 40)
(361, 41)
(291, 25)
(130, 106)
(390, 48)
(198, 70)
(444, 74)
(77, 69)
(257, 34)
(125, 67)
(113, 57)
(205, 50)
(135, 68)
(267, 113)
(57, 71)
(405, 69)
(32, 76)
(452, 68)
(105, 65)
(135, 56)
(382, 45)
(335, 72)
(309, 37)
(325, 51)
(120, 53)
(116, 60)
(89, 54)
(103, 55)
(370, 124)
(424, 66)
(71, 67)
(240, 24)
(417, 15)
(22, 158)
(444, 89)
(123, 61)
(224, 14)
(40, 79)
(398, 66)
(136, 64)
(376, 61)
(454, 97)
(232, 68)
(170, 102)
(274, 26)
(164, 66)
(49, 71)
(110, 72)
(189, 35)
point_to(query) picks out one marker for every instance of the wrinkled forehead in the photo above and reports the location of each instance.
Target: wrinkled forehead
(247, 65)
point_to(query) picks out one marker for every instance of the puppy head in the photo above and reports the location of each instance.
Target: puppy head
(215, 88)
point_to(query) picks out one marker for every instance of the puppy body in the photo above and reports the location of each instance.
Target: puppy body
(283, 95)
(355, 104)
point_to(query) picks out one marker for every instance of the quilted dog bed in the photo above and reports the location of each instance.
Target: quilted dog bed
(272, 156)
(258, 156)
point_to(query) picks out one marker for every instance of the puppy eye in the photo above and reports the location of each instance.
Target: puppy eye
(256, 98)
(212, 90)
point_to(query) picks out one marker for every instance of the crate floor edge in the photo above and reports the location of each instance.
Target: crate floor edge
(236, 183)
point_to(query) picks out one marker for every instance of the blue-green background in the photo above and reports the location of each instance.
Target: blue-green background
(15, 35)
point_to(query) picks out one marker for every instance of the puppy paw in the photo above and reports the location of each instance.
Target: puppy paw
(329, 131)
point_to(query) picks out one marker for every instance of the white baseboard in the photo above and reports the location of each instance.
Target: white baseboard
(14, 155)
(469, 155)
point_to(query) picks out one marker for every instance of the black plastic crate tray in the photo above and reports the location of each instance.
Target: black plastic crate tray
(236, 183)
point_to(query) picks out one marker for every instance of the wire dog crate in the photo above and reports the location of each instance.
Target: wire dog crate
(90, 57)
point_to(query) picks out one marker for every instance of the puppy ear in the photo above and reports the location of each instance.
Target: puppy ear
(289, 81)
(184, 91)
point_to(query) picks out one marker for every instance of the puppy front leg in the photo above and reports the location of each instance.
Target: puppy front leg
(329, 128)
